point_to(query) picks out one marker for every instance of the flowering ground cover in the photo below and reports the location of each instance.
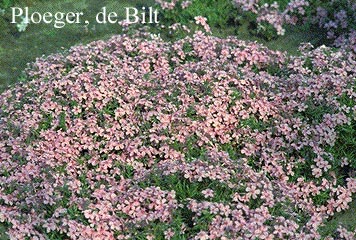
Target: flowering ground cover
(200, 138)
(337, 18)
(322, 22)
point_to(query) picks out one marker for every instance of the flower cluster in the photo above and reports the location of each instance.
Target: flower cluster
(170, 4)
(178, 16)
(272, 14)
(204, 138)
(339, 20)
(202, 21)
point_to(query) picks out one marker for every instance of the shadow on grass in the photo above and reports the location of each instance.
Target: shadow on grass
(346, 219)
(3, 236)
(19, 48)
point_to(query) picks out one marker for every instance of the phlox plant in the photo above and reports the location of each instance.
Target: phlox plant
(335, 18)
(199, 138)
(219, 12)
(269, 19)
(338, 19)
(179, 16)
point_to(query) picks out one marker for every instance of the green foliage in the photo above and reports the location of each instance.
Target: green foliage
(321, 198)
(345, 219)
(62, 122)
(46, 122)
(254, 123)
(4, 4)
(184, 190)
(218, 13)
(263, 30)
(3, 228)
(345, 145)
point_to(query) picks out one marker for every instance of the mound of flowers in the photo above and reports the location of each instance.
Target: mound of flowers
(202, 138)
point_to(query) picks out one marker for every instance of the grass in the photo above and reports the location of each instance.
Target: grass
(345, 219)
(19, 48)
(289, 42)
(3, 236)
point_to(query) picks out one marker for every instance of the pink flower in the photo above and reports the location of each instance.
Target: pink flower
(202, 21)
(208, 193)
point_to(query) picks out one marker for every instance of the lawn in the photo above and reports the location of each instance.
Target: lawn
(19, 48)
